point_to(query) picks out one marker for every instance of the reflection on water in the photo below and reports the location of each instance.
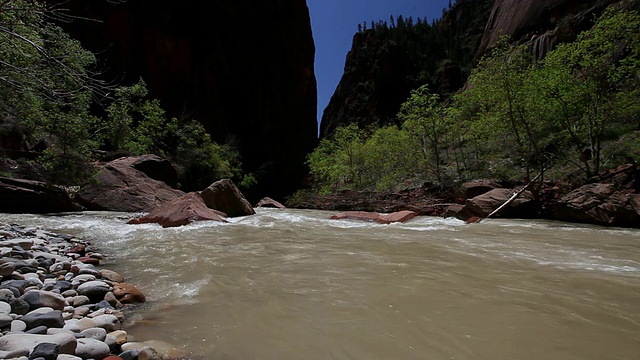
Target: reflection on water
(294, 285)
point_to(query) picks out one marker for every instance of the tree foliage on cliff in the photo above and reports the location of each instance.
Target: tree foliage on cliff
(48, 85)
(388, 59)
(570, 111)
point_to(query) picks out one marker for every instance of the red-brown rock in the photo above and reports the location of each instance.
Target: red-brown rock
(557, 20)
(399, 216)
(483, 205)
(471, 189)
(157, 168)
(128, 294)
(89, 260)
(121, 187)
(269, 203)
(223, 195)
(600, 204)
(181, 211)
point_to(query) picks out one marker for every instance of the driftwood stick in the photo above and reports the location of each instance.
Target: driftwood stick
(514, 196)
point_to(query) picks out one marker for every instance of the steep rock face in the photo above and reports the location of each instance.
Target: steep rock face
(543, 23)
(243, 69)
(387, 62)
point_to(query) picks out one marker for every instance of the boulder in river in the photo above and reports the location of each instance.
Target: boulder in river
(122, 187)
(181, 211)
(128, 294)
(269, 203)
(399, 216)
(223, 195)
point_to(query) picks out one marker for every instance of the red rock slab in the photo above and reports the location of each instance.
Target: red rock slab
(128, 294)
(181, 211)
(269, 203)
(399, 216)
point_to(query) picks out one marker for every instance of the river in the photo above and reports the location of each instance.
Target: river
(291, 284)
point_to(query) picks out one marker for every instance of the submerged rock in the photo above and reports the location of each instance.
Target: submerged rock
(269, 203)
(399, 216)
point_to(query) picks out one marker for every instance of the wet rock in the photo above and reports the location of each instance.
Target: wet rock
(111, 275)
(181, 211)
(223, 195)
(400, 216)
(153, 348)
(269, 203)
(58, 302)
(128, 293)
(88, 260)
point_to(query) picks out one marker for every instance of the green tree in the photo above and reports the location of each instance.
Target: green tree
(391, 162)
(46, 88)
(339, 162)
(424, 119)
(138, 124)
(508, 103)
(594, 83)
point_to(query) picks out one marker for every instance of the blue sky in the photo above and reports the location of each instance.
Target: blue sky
(335, 21)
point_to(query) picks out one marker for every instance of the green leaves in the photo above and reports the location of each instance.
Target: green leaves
(579, 107)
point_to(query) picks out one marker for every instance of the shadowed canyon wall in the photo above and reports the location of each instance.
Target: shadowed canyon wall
(244, 69)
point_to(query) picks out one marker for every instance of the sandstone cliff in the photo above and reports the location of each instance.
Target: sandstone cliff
(243, 69)
(543, 23)
(387, 62)
(380, 71)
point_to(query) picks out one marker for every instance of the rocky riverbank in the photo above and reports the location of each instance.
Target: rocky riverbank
(609, 199)
(56, 303)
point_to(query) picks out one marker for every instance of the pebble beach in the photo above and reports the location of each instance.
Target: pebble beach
(56, 303)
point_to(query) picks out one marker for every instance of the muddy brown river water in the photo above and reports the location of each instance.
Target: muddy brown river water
(291, 284)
